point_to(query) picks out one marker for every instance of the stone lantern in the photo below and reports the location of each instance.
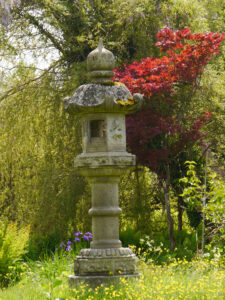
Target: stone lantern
(102, 106)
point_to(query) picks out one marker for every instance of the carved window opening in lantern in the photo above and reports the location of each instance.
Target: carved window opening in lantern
(97, 136)
(97, 129)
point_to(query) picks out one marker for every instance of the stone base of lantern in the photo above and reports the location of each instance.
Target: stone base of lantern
(95, 281)
(103, 266)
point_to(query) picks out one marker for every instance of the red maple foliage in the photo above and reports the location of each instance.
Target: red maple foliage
(155, 134)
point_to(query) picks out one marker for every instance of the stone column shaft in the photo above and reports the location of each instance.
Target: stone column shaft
(105, 212)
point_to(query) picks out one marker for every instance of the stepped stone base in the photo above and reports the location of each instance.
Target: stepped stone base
(104, 266)
(94, 281)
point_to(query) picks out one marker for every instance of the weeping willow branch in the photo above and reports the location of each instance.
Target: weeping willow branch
(21, 87)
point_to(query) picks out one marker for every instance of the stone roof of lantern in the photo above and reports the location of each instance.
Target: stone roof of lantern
(102, 94)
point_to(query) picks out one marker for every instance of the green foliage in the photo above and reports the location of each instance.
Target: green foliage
(213, 93)
(130, 237)
(139, 198)
(13, 242)
(157, 248)
(179, 13)
(42, 245)
(214, 193)
(50, 273)
(38, 141)
(215, 253)
(215, 211)
(49, 280)
(193, 194)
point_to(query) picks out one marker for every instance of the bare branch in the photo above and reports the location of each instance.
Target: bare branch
(43, 31)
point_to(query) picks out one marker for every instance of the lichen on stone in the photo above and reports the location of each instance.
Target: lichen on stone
(95, 94)
(130, 101)
(112, 83)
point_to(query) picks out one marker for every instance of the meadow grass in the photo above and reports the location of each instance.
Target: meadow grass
(198, 279)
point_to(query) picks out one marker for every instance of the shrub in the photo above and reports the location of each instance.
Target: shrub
(215, 211)
(13, 241)
(157, 248)
(130, 237)
(41, 246)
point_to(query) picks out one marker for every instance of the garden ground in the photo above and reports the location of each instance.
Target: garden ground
(198, 279)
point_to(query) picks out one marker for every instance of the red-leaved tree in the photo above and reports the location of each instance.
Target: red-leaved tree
(165, 126)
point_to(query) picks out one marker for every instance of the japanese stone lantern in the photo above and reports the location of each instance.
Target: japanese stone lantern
(102, 106)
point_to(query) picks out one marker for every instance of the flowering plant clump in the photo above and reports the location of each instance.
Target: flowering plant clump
(78, 241)
(158, 252)
(150, 250)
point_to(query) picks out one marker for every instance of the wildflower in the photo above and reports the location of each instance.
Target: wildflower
(86, 238)
(68, 248)
(78, 233)
(89, 234)
(69, 243)
(62, 245)
(76, 239)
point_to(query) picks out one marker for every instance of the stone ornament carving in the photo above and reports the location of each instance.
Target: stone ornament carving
(92, 161)
(116, 130)
(112, 261)
(100, 63)
(115, 252)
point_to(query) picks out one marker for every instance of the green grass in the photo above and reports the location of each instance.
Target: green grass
(199, 279)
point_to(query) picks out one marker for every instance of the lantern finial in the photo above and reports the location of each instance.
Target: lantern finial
(100, 63)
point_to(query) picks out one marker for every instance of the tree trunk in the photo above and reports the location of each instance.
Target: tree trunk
(138, 206)
(168, 209)
(204, 202)
(180, 213)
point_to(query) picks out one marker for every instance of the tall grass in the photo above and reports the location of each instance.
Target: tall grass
(198, 279)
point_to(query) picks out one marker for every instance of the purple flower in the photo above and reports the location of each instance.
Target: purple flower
(78, 233)
(86, 238)
(89, 234)
(62, 245)
(76, 239)
(68, 248)
(69, 243)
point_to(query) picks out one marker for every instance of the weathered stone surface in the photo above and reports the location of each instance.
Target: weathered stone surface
(95, 94)
(112, 261)
(94, 281)
(98, 98)
(112, 133)
(100, 59)
(102, 98)
(117, 252)
(101, 159)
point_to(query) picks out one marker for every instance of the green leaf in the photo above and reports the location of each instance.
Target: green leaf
(56, 283)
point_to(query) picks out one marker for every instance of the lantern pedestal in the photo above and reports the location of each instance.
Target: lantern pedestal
(106, 261)
(99, 266)
(94, 281)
